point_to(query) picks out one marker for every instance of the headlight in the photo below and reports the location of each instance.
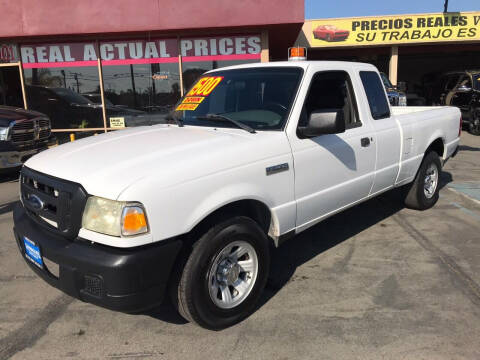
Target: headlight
(3, 133)
(115, 218)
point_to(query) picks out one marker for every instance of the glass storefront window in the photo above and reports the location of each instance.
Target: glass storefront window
(10, 87)
(207, 53)
(64, 137)
(141, 94)
(59, 92)
(194, 69)
(141, 79)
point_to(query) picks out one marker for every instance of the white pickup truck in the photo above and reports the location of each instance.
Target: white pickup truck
(251, 156)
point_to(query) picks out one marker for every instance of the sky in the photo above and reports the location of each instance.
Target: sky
(318, 9)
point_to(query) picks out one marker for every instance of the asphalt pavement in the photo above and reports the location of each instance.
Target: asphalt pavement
(375, 282)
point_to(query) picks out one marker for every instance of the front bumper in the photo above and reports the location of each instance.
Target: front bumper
(15, 159)
(127, 280)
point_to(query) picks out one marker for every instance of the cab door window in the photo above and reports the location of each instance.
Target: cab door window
(376, 95)
(331, 91)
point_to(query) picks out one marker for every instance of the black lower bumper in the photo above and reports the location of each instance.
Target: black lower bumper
(128, 280)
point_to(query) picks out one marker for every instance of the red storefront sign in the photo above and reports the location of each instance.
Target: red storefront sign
(141, 51)
(221, 48)
(8, 53)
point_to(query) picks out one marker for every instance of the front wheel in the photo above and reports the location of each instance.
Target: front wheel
(423, 192)
(225, 274)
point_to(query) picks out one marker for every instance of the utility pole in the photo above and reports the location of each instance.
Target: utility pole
(75, 76)
(445, 9)
(133, 87)
(64, 78)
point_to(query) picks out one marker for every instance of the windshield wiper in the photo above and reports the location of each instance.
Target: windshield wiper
(221, 117)
(179, 121)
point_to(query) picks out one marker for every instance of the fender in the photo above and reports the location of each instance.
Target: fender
(227, 195)
(438, 134)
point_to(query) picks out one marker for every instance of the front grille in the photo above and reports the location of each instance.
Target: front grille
(22, 137)
(30, 130)
(93, 285)
(23, 125)
(54, 203)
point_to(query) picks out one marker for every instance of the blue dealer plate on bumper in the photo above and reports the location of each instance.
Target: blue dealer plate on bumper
(32, 252)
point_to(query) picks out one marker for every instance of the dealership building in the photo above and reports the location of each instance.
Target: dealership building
(93, 67)
(415, 51)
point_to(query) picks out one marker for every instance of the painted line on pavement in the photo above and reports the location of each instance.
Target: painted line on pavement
(466, 211)
(470, 190)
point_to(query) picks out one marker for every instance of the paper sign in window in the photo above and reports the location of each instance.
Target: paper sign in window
(117, 122)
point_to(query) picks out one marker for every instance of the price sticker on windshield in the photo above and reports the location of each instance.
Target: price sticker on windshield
(197, 94)
(193, 100)
(205, 86)
(188, 107)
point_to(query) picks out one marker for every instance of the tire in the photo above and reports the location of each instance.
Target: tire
(420, 195)
(212, 272)
(328, 38)
(474, 125)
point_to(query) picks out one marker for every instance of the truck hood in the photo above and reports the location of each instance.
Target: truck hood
(107, 164)
(9, 114)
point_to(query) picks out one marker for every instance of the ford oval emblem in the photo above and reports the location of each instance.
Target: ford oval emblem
(35, 202)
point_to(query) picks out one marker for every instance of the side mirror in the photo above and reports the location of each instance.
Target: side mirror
(329, 121)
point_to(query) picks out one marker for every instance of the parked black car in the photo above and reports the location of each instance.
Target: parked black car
(462, 89)
(96, 98)
(23, 133)
(68, 109)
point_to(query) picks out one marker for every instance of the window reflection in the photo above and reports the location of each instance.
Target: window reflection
(193, 70)
(64, 137)
(135, 94)
(10, 87)
(141, 93)
(58, 93)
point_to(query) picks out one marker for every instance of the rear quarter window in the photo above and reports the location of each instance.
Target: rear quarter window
(376, 96)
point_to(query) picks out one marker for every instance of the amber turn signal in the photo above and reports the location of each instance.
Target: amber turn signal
(134, 221)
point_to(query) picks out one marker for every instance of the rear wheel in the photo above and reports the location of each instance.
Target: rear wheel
(225, 274)
(423, 192)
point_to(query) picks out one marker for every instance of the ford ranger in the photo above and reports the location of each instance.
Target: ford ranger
(251, 156)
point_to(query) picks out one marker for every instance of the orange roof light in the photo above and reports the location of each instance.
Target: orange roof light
(297, 53)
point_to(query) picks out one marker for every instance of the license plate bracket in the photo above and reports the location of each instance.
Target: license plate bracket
(32, 252)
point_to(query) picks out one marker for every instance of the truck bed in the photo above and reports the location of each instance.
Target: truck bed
(402, 110)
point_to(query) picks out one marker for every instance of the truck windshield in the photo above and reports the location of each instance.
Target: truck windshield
(260, 98)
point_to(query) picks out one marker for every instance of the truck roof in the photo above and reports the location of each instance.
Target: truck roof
(304, 64)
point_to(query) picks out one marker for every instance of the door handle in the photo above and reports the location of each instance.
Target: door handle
(365, 141)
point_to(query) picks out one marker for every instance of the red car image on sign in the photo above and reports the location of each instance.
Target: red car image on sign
(330, 33)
